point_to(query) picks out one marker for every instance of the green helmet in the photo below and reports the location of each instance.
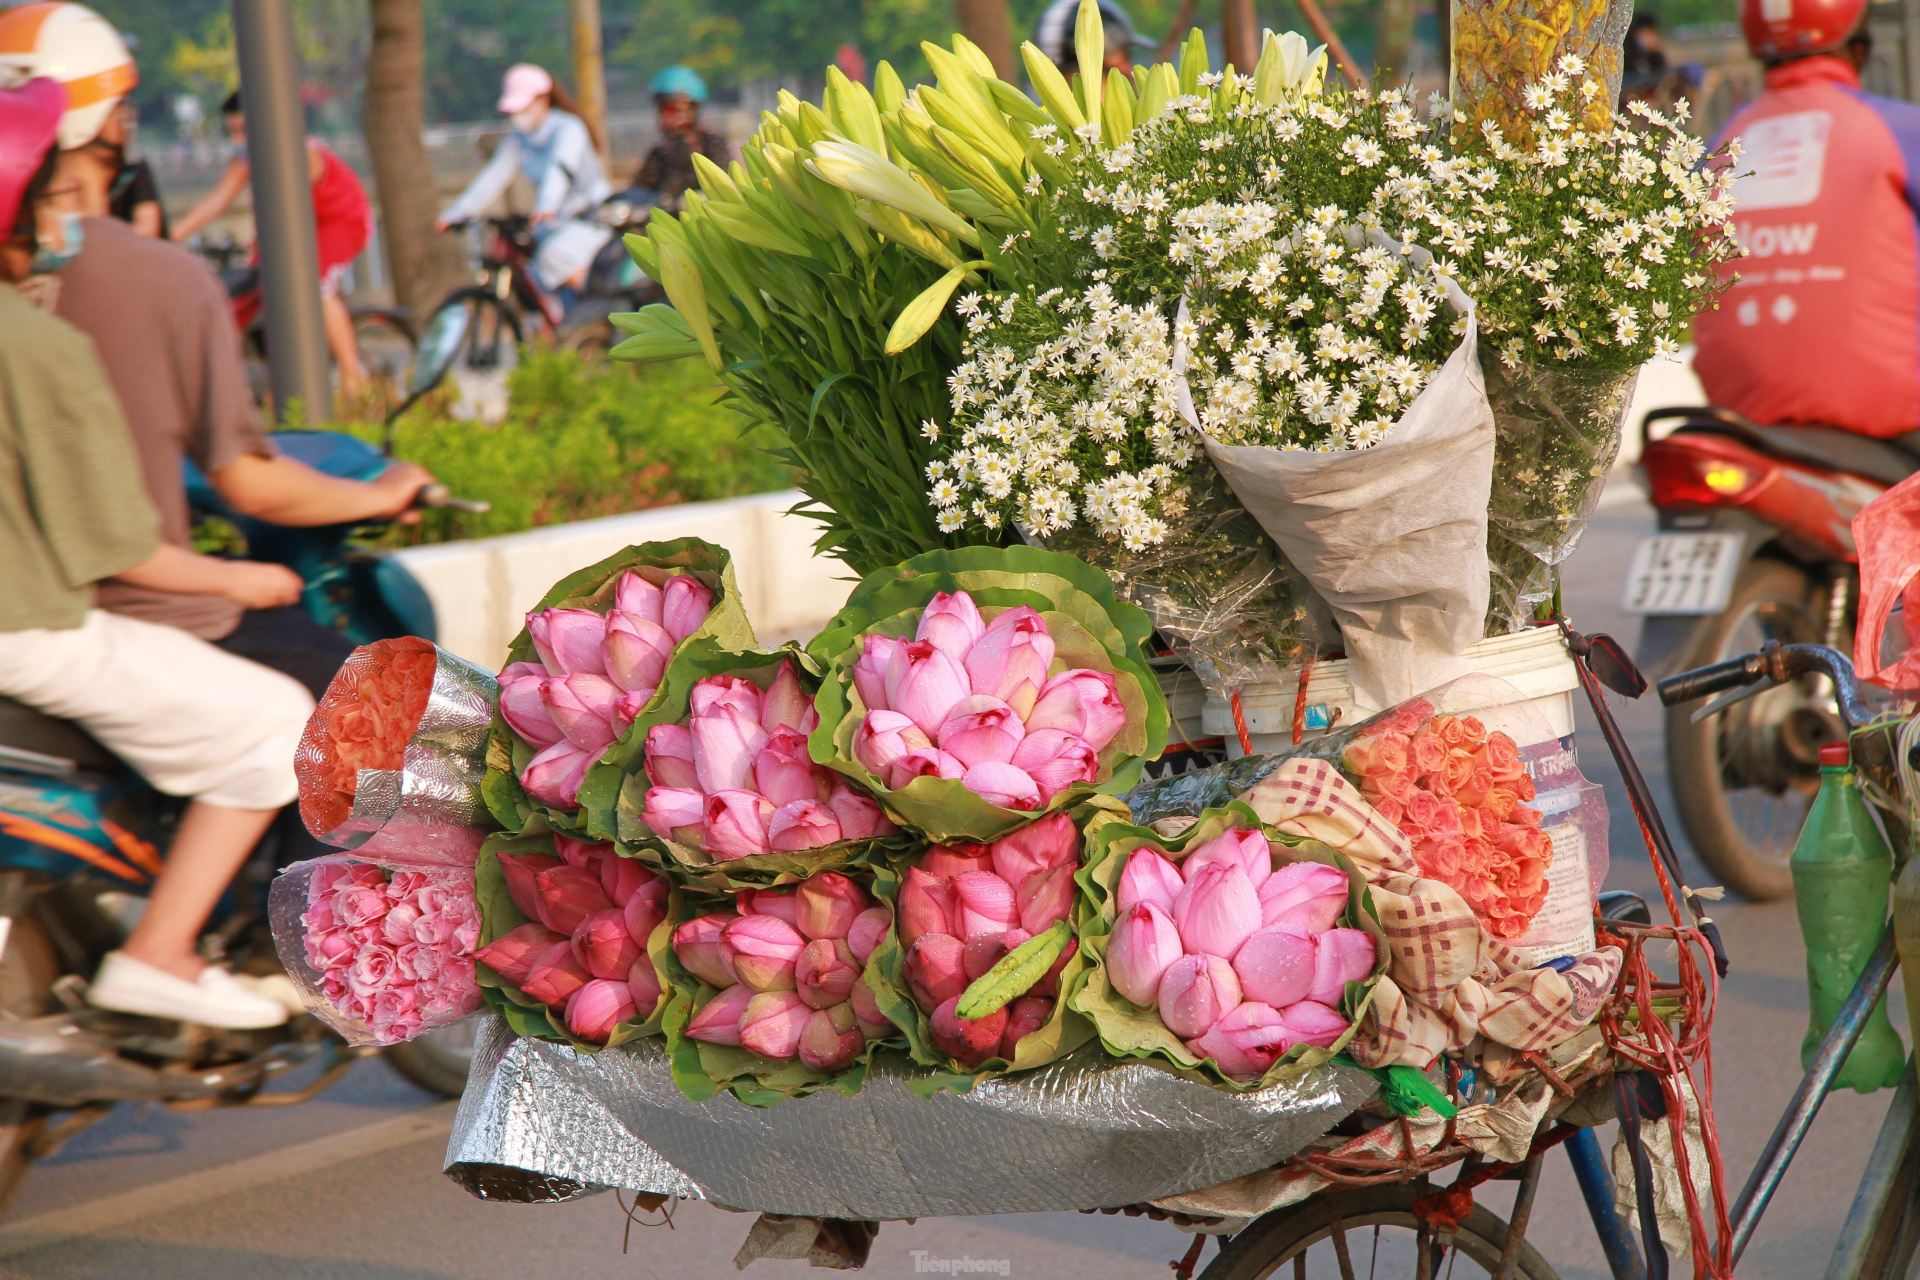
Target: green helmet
(679, 82)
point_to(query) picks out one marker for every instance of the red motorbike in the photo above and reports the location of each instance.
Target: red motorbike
(1755, 544)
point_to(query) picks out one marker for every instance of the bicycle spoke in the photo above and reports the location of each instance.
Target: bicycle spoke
(1299, 1266)
(1374, 1260)
(1340, 1250)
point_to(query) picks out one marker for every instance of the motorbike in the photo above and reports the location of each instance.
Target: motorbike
(1755, 544)
(83, 837)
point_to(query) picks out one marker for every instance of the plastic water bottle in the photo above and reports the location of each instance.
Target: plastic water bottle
(1841, 874)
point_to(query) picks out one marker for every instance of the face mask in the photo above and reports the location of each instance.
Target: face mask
(525, 121)
(47, 259)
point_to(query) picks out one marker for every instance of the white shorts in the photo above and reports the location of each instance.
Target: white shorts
(565, 248)
(194, 720)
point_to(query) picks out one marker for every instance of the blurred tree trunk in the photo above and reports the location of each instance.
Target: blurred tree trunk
(1393, 53)
(1240, 33)
(424, 266)
(986, 23)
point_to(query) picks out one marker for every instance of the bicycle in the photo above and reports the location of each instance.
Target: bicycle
(1395, 1217)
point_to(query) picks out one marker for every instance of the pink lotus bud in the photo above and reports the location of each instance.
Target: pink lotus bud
(638, 652)
(569, 640)
(945, 861)
(669, 756)
(979, 729)
(762, 951)
(738, 692)
(984, 950)
(1340, 956)
(685, 603)
(598, 1007)
(737, 824)
(1195, 991)
(581, 853)
(624, 877)
(1246, 849)
(634, 595)
(1275, 965)
(642, 917)
(1024, 1017)
(884, 737)
(1310, 1022)
(524, 671)
(725, 741)
(1082, 702)
(697, 944)
(555, 976)
(1045, 897)
(824, 973)
(1148, 877)
(1144, 944)
(678, 814)
(951, 622)
(1002, 784)
(936, 969)
(603, 946)
(568, 895)
(554, 776)
(1049, 984)
(858, 813)
(1310, 895)
(802, 824)
(867, 931)
(831, 1039)
(513, 953)
(1053, 841)
(643, 984)
(870, 671)
(986, 902)
(969, 1040)
(927, 762)
(827, 905)
(779, 903)
(520, 870)
(1056, 759)
(526, 714)
(786, 705)
(1245, 1042)
(873, 1023)
(783, 771)
(927, 905)
(1011, 659)
(718, 1021)
(773, 1023)
(932, 683)
(1216, 911)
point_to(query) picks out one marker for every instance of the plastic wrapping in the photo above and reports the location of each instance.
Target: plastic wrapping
(379, 956)
(1084, 1132)
(1557, 432)
(423, 808)
(1887, 532)
(1500, 47)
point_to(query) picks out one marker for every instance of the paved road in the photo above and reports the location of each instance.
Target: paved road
(349, 1185)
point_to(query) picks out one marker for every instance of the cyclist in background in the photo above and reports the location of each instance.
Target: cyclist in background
(667, 170)
(553, 147)
(343, 226)
(1054, 37)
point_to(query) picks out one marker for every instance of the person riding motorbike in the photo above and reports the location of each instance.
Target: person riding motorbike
(1819, 327)
(667, 169)
(342, 223)
(554, 149)
(191, 719)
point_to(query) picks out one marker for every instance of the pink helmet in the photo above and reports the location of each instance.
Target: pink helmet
(1777, 29)
(29, 121)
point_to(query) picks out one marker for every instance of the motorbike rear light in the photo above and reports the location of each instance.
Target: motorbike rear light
(1695, 471)
(1725, 478)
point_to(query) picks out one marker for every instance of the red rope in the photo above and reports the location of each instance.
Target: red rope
(1300, 699)
(1240, 724)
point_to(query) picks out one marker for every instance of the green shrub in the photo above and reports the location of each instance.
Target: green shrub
(579, 441)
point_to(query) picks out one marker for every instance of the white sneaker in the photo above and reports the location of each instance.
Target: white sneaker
(277, 987)
(216, 1000)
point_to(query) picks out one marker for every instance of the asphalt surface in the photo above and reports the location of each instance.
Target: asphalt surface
(349, 1185)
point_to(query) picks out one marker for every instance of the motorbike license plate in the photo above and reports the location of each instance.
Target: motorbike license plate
(1682, 573)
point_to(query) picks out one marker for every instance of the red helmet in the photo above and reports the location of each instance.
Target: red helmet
(1777, 29)
(29, 120)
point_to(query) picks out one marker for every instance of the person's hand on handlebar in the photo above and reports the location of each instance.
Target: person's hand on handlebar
(399, 486)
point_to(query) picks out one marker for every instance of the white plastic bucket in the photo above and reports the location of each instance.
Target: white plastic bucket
(1535, 662)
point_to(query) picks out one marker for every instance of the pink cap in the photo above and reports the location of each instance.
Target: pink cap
(29, 119)
(524, 82)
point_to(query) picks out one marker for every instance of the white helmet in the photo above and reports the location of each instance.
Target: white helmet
(79, 48)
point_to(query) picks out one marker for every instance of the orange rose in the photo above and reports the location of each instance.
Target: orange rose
(1428, 752)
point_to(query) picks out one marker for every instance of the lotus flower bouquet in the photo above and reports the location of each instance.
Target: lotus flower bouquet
(381, 956)
(974, 690)
(772, 997)
(589, 666)
(984, 948)
(572, 929)
(1224, 947)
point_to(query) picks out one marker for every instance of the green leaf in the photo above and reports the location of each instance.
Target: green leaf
(1014, 974)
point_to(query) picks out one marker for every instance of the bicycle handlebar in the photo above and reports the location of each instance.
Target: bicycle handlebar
(1777, 663)
(438, 495)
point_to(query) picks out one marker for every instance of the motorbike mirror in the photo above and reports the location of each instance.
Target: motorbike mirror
(1613, 668)
(439, 345)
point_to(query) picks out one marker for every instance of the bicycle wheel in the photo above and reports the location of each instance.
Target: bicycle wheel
(387, 343)
(1370, 1231)
(438, 1060)
(488, 355)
